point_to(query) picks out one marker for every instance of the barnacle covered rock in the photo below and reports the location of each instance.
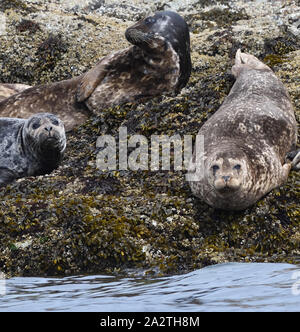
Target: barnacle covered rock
(82, 220)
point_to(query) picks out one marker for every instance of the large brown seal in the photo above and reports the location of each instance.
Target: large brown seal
(157, 63)
(33, 146)
(246, 141)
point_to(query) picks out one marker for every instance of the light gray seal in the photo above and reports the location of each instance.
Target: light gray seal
(246, 141)
(30, 147)
(157, 63)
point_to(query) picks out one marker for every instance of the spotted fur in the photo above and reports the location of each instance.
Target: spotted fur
(247, 139)
(30, 147)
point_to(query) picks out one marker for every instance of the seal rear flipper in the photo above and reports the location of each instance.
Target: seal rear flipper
(90, 81)
(245, 60)
(7, 90)
(18, 87)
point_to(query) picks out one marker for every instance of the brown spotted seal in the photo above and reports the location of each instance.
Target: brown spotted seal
(157, 63)
(7, 90)
(30, 147)
(246, 141)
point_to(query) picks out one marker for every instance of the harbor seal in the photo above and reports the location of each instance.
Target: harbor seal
(157, 63)
(246, 141)
(30, 147)
(7, 90)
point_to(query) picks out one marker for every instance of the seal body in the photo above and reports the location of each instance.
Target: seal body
(158, 62)
(30, 147)
(246, 140)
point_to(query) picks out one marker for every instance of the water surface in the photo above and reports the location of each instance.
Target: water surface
(223, 287)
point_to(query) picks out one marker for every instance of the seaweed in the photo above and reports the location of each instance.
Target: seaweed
(28, 25)
(82, 220)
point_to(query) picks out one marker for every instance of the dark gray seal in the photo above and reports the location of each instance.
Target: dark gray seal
(246, 141)
(158, 63)
(30, 147)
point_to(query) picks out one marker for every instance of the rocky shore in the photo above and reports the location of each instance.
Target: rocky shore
(80, 220)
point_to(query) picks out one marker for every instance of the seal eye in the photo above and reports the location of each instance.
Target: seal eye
(237, 167)
(35, 125)
(215, 168)
(55, 122)
(150, 20)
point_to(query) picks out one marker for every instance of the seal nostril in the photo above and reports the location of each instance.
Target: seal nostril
(48, 128)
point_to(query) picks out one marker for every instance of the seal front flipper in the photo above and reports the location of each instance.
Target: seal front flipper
(91, 80)
(6, 176)
(294, 157)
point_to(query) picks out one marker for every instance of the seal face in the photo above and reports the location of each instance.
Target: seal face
(246, 141)
(157, 63)
(30, 147)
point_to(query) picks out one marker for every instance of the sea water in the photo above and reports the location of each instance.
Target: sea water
(223, 287)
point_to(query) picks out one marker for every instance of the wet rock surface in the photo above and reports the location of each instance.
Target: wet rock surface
(81, 220)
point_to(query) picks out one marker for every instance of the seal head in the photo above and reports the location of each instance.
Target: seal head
(227, 172)
(30, 147)
(44, 140)
(162, 30)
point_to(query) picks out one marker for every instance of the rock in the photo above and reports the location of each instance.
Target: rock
(80, 220)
